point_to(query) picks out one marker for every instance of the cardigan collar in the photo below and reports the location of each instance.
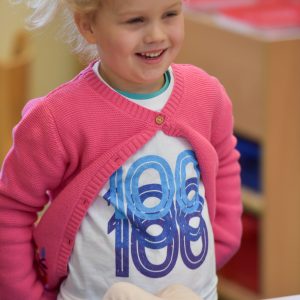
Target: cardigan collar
(135, 110)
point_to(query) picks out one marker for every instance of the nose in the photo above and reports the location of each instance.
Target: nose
(155, 33)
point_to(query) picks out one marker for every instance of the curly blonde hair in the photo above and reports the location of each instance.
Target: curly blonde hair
(44, 11)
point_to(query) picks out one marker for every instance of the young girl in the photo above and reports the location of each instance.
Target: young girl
(136, 157)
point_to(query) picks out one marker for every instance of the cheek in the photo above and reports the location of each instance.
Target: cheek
(177, 33)
(124, 43)
(178, 37)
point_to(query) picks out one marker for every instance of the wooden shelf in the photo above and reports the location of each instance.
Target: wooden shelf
(261, 76)
(14, 81)
(229, 290)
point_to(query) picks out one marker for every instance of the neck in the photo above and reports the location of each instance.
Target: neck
(135, 87)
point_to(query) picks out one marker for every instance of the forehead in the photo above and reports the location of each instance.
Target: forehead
(123, 6)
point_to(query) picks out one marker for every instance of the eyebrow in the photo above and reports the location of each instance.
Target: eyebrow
(129, 13)
(179, 2)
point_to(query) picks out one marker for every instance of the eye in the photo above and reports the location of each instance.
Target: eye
(135, 20)
(171, 14)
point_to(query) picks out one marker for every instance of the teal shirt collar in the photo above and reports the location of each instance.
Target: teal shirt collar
(146, 96)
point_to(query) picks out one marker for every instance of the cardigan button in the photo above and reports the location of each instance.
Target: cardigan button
(159, 120)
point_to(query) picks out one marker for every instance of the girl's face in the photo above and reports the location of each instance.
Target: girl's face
(137, 40)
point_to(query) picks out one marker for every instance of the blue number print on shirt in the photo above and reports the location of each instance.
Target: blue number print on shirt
(189, 209)
(119, 223)
(136, 194)
(173, 217)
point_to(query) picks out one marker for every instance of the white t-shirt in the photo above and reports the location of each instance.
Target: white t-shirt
(149, 225)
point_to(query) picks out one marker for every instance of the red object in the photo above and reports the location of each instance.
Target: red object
(244, 266)
(267, 13)
(214, 5)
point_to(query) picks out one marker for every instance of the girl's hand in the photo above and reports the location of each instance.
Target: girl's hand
(178, 292)
(128, 291)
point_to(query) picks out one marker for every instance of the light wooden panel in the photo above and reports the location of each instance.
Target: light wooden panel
(281, 222)
(262, 78)
(14, 80)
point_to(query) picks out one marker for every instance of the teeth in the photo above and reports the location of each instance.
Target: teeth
(152, 55)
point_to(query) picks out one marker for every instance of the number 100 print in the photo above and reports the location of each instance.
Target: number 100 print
(178, 206)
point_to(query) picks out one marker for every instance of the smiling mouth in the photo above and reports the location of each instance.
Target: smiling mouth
(151, 55)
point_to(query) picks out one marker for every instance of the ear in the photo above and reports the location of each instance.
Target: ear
(84, 24)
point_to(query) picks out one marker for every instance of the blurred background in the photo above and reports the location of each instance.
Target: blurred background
(253, 48)
(31, 64)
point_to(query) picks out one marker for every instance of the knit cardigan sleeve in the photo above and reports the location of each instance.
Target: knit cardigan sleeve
(34, 165)
(227, 225)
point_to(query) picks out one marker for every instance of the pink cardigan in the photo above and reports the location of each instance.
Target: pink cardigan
(67, 145)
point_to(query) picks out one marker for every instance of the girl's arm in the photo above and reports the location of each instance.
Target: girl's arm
(34, 166)
(227, 223)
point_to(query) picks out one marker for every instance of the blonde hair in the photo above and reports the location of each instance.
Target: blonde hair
(45, 11)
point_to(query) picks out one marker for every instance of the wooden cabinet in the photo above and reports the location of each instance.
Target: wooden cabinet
(14, 81)
(261, 74)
